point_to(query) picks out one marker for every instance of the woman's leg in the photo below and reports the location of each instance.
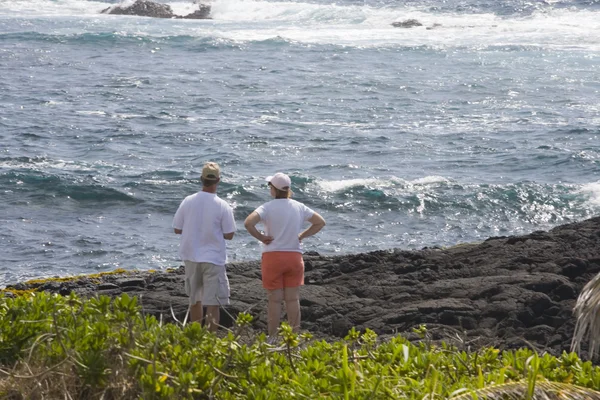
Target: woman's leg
(274, 310)
(292, 306)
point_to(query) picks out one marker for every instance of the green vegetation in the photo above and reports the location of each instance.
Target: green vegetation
(54, 347)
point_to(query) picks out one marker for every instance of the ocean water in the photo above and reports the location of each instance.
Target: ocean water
(486, 125)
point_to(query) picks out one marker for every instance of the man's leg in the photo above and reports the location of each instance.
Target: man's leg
(193, 288)
(274, 310)
(215, 293)
(196, 313)
(212, 318)
(292, 306)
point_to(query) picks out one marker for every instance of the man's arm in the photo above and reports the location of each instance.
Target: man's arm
(228, 236)
(228, 223)
(178, 219)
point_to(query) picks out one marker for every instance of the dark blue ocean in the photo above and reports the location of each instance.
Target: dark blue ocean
(485, 124)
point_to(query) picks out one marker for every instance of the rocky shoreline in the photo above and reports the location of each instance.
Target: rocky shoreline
(509, 292)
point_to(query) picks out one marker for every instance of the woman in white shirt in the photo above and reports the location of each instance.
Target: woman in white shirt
(282, 264)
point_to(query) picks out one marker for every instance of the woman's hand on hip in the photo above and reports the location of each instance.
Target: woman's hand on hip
(266, 239)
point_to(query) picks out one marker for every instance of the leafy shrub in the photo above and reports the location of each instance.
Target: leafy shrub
(60, 347)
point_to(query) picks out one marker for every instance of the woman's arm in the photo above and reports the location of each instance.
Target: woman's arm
(317, 223)
(250, 224)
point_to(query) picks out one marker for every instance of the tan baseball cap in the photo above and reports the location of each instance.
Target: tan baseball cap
(211, 170)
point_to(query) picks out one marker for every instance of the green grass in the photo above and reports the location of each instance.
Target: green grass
(54, 347)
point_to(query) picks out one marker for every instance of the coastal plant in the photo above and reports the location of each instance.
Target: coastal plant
(68, 347)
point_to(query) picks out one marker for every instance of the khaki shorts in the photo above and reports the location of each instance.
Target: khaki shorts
(206, 283)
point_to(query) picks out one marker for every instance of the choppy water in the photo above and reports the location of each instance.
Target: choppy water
(486, 125)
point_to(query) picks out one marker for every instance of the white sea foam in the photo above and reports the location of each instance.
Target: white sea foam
(351, 25)
(265, 119)
(370, 26)
(592, 190)
(185, 7)
(381, 183)
(128, 116)
(429, 180)
(43, 164)
(164, 182)
(41, 8)
(339, 185)
(84, 112)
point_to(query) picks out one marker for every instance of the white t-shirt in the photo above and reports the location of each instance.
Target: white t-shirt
(204, 218)
(283, 220)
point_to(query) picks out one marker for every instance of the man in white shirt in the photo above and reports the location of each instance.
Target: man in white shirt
(204, 222)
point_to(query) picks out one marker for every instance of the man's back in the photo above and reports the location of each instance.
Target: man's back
(204, 218)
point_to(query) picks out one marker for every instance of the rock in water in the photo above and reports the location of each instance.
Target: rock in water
(409, 23)
(202, 13)
(147, 8)
(143, 8)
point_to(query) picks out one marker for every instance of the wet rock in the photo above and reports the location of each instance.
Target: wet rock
(143, 8)
(107, 286)
(434, 26)
(340, 326)
(147, 8)
(51, 286)
(409, 23)
(202, 13)
(129, 283)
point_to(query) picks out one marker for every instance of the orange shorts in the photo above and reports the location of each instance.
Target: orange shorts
(282, 269)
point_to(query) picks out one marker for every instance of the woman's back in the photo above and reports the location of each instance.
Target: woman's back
(283, 220)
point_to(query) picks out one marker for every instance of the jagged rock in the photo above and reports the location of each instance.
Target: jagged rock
(434, 26)
(202, 13)
(147, 8)
(409, 23)
(142, 8)
(506, 291)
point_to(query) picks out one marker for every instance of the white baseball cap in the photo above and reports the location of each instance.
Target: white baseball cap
(280, 180)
